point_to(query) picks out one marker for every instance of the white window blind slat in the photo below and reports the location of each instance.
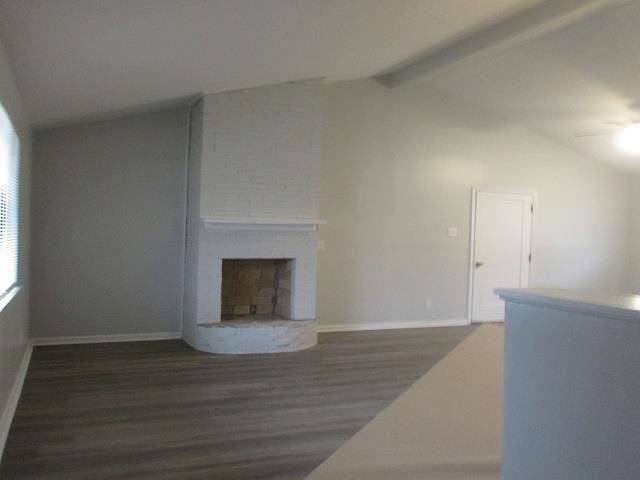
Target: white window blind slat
(9, 207)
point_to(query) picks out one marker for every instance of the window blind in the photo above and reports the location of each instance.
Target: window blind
(9, 208)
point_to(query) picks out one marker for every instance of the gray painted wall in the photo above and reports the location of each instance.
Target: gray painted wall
(398, 169)
(108, 226)
(571, 391)
(14, 317)
(632, 284)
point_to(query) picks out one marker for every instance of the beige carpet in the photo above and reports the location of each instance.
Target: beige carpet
(445, 427)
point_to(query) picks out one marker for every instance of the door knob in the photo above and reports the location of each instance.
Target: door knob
(479, 264)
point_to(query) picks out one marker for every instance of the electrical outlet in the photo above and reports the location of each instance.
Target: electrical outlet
(427, 303)
(321, 246)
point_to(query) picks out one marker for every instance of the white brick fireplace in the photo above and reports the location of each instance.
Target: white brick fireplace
(254, 168)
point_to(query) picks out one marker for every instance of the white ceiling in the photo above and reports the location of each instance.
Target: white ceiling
(570, 82)
(81, 58)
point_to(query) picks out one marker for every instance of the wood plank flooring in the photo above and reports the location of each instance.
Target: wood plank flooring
(161, 410)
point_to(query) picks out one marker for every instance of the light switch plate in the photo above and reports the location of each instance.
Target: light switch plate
(452, 231)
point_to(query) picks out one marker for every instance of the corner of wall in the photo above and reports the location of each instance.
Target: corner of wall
(14, 317)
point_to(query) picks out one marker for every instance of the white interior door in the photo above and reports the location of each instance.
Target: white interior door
(502, 250)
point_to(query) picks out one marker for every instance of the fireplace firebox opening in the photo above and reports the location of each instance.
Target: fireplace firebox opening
(256, 288)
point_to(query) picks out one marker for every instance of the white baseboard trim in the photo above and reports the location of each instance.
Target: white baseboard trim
(354, 327)
(126, 337)
(14, 397)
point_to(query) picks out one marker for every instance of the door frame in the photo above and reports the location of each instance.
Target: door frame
(472, 240)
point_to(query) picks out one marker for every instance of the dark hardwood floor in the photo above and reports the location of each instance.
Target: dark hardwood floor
(160, 410)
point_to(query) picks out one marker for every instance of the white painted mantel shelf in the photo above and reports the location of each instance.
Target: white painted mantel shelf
(248, 223)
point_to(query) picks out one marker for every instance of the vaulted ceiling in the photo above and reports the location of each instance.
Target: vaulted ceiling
(577, 86)
(80, 58)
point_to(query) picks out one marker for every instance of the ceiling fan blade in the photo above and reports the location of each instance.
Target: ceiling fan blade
(593, 134)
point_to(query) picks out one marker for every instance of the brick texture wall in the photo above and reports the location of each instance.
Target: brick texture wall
(261, 152)
(254, 154)
(190, 302)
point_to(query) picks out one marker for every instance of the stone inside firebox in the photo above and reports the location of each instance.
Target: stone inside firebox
(256, 288)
